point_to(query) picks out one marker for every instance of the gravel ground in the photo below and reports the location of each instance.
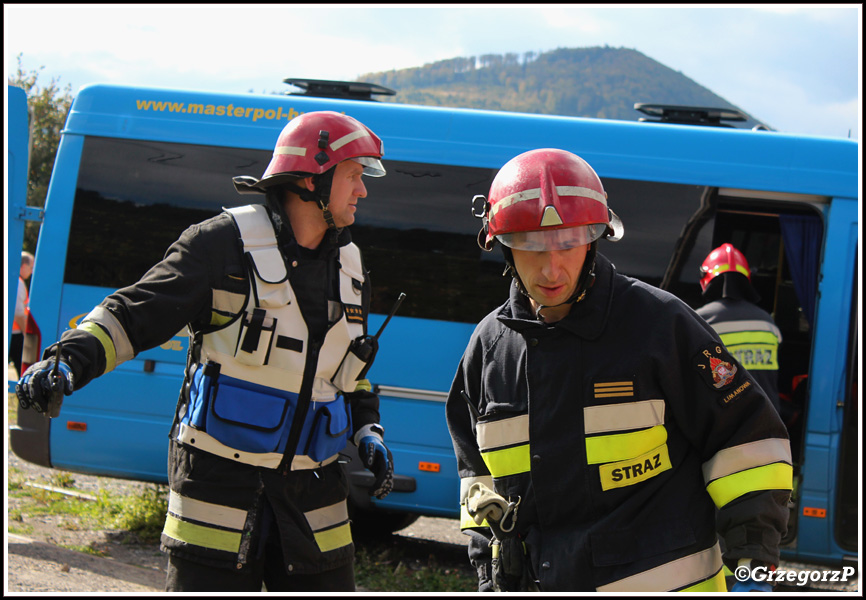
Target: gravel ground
(38, 558)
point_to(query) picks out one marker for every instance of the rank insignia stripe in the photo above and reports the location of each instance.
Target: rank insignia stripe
(354, 313)
(613, 389)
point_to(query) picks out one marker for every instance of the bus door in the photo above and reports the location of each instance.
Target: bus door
(827, 513)
(801, 251)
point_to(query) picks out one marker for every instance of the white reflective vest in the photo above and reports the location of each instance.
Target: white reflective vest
(245, 391)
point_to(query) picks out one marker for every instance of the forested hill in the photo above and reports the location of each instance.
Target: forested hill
(600, 82)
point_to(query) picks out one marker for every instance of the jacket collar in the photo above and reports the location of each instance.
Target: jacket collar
(586, 319)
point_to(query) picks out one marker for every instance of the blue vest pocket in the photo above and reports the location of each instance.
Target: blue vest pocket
(248, 419)
(199, 393)
(330, 430)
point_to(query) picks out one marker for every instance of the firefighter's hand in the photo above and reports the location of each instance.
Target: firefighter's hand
(376, 458)
(42, 387)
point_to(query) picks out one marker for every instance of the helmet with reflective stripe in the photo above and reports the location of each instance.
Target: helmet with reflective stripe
(312, 144)
(723, 259)
(546, 199)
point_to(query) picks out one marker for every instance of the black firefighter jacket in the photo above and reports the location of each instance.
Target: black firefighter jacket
(630, 437)
(179, 292)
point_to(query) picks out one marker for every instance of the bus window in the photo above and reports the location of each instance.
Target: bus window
(653, 216)
(136, 197)
(418, 236)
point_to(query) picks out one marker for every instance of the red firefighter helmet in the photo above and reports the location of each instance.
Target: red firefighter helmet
(546, 199)
(723, 259)
(313, 143)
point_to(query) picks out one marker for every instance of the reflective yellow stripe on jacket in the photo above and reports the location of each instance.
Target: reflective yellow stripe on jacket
(204, 523)
(755, 344)
(755, 466)
(330, 525)
(634, 456)
(504, 445)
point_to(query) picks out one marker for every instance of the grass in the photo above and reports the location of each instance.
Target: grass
(388, 567)
(85, 550)
(142, 515)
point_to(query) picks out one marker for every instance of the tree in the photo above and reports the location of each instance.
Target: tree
(49, 107)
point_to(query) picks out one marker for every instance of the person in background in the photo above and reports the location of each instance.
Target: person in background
(731, 309)
(604, 435)
(275, 297)
(19, 324)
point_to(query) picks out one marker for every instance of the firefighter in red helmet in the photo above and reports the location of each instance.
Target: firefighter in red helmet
(606, 423)
(274, 295)
(731, 308)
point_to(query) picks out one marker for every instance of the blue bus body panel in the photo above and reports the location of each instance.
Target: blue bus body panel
(418, 353)
(18, 140)
(755, 160)
(416, 434)
(141, 405)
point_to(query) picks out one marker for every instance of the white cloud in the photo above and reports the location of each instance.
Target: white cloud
(796, 60)
(576, 19)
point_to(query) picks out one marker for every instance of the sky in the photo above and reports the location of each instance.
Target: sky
(795, 67)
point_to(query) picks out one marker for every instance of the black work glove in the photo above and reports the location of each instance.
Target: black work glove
(42, 388)
(376, 458)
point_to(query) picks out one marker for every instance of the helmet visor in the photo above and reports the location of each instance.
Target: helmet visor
(372, 166)
(553, 239)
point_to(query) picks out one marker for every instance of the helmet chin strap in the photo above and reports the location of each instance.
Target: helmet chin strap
(321, 194)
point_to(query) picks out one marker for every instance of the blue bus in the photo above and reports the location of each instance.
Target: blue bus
(136, 166)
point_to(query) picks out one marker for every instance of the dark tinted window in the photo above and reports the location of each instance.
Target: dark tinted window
(134, 198)
(415, 228)
(418, 236)
(653, 215)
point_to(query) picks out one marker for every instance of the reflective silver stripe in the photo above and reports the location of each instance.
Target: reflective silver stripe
(122, 345)
(270, 460)
(562, 190)
(330, 525)
(671, 576)
(292, 150)
(328, 516)
(302, 462)
(747, 456)
(351, 137)
(622, 417)
(412, 394)
(505, 432)
(206, 512)
(741, 326)
(466, 483)
(572, 190)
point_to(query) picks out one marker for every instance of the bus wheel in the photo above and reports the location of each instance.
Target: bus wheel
(373, 524)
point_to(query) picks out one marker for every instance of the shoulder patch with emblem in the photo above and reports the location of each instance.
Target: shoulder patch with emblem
(716, 366)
